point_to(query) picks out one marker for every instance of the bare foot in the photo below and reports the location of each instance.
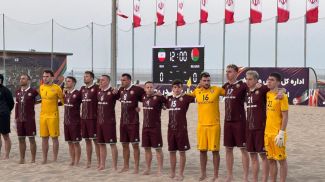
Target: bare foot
(215, 179)
(180, 178)
(44, 162)
(88, 165)
(136, 171)
(203, 177)
(228, 179)
(159, 173)
(146, 172)
(5, 157)
(124, 169)
(71, 163)
(22, 161)
(172, 176)
(32, 161)
(101, 168)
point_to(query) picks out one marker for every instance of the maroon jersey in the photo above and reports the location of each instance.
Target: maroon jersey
(130, 98)
(152, 106)
(234, 101)
(178, 107)
(256, 108)
(72, 101)
(106, 106)
(25, 101)
(89, 102)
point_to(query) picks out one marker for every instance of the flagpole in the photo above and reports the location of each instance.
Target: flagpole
(305, 37)
(200, 23)
(249, 35)
(223, 50)
(92, 46)
(132, 73)
(176, 25)
(276, 42)
(113, 44)
(4, 49)
(276, 35)
(155, 29)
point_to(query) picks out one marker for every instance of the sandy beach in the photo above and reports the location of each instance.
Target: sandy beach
(305, 147)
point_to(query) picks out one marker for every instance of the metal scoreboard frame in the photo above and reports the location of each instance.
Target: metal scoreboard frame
(177, 62)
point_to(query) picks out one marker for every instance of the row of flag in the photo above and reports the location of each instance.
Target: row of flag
(255, 11)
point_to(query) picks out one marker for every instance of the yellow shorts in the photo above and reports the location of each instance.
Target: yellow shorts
(49, 127)
(272, 150)
(208, 137)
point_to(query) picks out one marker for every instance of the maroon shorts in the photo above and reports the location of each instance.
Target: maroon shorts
(129, 133)
(106, 133)
(26, 129)
(88, 128)
(72, 132)
(151, 137)
(234, 134)
(178, 140)
(255, 141)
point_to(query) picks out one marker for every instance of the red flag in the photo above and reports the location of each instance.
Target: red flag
(229, 11)
(161, 12)
(136, 14)
(312, 11)
(256, 11)
(119, 12)
(180, 13)
(283, 11)
(204, 11)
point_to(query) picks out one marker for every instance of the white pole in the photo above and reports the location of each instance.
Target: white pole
(113, 44)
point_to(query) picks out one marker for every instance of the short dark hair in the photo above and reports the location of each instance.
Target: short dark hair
(147, 82)
(127, 75)
(107, 76)
(92, 75)
(49, 72)
(1, 79)
(25, 74)
(276, 75)
(74, 80)
(204, 74)
(233, 66)
(177, 82)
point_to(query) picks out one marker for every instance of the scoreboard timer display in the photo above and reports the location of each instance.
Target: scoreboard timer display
(170, 63)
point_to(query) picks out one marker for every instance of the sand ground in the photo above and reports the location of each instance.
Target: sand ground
(305, 147)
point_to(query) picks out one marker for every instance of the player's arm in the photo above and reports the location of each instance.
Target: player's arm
(60, 97)
(193, 93)
(279, 139)
(10, 100)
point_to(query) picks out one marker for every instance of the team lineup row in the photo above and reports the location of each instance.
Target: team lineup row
(89, 113)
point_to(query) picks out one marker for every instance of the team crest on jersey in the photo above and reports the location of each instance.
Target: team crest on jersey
(52, 90)
(155, 97)
(102, 98)
(169, 99)
(109, 93)
(181, 99)
(237, 85)
(92, 90)
(132, 92)
(18, 94)
(29, 94)
(122, 92)
(257, 92)
(212, 91)
(74, 96)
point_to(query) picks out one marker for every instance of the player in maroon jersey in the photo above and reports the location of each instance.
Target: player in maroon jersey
(235, 121)
(151, 129)
(130, 96)
(72, 101)
(89, 115)
(178, 105)
(26, 98)
(106, 122)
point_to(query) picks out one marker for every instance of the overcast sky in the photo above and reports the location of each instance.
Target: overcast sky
(77, 13)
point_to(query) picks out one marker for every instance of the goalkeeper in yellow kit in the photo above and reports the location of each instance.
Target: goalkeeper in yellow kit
(51, 97)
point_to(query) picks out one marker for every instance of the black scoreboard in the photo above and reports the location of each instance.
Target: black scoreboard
(170, 63)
